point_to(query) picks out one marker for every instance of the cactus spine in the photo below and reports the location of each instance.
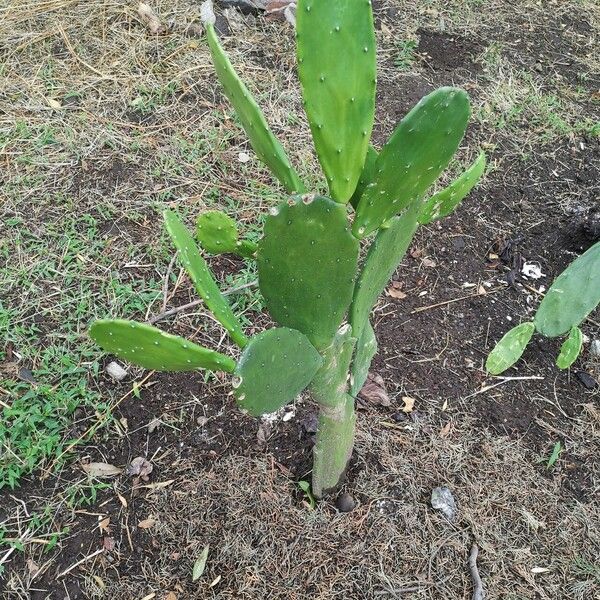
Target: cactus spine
(309, 273)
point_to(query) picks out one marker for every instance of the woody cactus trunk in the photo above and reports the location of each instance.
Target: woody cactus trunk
(314, 283)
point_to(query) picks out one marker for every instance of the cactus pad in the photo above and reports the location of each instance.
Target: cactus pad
(151, 348)
(337, 70)
(570, 349)
(366, 348)
(509, 349)
(446, 200)
(365, 177)
(205, 284)
(413, 158)
(217, 233)
(384, 256)
(274, 368)
(572, 297)
(265, 144)
(306, 266)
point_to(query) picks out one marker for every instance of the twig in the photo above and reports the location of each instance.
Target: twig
(477, 583)
(178, 309)
(79, 562)
(423, 308)
(166, 283)
(504, 380)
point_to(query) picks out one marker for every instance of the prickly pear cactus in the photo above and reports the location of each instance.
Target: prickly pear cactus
(572, 297)
(338, 85)
(309, 273)
(306, 266)
(413, 158)
(151, 348)
(217, 233)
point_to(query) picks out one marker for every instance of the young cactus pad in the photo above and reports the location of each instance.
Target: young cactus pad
(574, 294)
(509, 349)
(446, 200)
(151, 348)
(217, 233)
(306, 266)
(274, 368)
(413, 158)
(338, 85)
(384, 255)
(265, 144)
(570, 349)
(203, 280)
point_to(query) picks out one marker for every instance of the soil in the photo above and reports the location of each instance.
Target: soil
(431, 348)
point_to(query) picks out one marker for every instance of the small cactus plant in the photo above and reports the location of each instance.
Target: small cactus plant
(574, 294)
(310, 274)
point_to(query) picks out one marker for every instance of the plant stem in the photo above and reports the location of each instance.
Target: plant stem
(335, 433)
(333, 449)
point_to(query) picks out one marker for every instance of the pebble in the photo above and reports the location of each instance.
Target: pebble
(443, 500)
(345, 503)
(116, 371)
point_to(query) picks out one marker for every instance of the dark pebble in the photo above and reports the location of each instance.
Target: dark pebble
(588, 381)
(345, 503)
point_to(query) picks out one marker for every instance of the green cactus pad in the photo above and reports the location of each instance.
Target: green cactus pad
(366, 349)
(366, 176)
(509, 349)
(151, 348)
(572, 297)
(337, 70)
(217, 233)
(274, 368)
(384, 256)
(445, 201)
(264, 142)
(570, 349)
(200, 274)
(306, 266)
(413, 158)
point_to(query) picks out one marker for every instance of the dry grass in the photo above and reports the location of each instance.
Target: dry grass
(264, 544)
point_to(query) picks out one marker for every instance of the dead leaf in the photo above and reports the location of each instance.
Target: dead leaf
(200, 563)
(100, 469)
(146, 523)
(149, 596)
(108, 543)
(395, 291)
(429, 263)
(263, 433)
(55, 104)
(171, 596)
(153, 425)
(159, 485)
(103, 525)
(374, 391)
(140, 467)
(215, 581)
(99, 581)
(121, 499)
(481, 290)
(409, 404)
(416, 252)
(446, 429)
(148, 16)
(32, 567)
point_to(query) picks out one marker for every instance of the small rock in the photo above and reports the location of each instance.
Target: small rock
(116, 371)
(595, 348)
(310, 423)
(443, 500)
(587, 380)
(345, 503)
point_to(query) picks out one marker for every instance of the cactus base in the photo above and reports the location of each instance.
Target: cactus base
(333, 449)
